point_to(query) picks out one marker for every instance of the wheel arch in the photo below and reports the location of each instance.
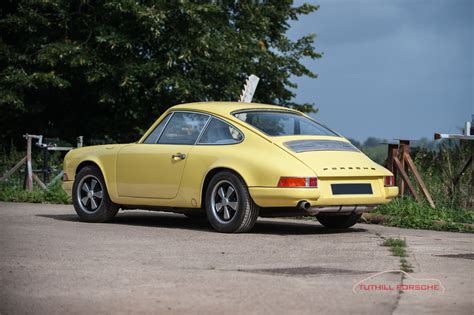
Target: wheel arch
(96, 163)
(83, 164)
(210, 174)
(86, 163)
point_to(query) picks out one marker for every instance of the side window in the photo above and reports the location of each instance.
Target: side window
(153, 136)
(183, 128)
(219, 132)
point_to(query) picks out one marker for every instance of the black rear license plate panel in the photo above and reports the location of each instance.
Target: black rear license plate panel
(351, 189)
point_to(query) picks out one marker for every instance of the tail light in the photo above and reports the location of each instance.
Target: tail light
(298, 182)
(389, 181)
(65, 177)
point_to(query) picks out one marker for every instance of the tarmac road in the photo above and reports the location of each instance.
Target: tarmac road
(147, 262)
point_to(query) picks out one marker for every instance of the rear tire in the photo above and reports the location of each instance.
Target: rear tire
(90, 196)
(229, 207)
(338, 221)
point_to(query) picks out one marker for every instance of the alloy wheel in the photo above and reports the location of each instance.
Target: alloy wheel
(224, 201)
(90, 194)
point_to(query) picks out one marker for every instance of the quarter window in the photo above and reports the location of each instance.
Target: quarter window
(219, 132)
(281, 123)
(153, 136)
(183, 128)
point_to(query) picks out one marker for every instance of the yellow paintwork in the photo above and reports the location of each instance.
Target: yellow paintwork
(145, 174)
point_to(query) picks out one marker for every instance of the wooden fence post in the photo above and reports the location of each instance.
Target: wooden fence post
(404, 149)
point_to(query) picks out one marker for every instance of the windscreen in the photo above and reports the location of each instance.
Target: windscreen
(281, 123)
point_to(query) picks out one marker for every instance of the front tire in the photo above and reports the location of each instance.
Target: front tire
(229, 207)
(338, 221)
(90, 196)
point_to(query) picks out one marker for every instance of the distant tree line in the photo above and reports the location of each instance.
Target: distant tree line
(107, 69)
(376, 148)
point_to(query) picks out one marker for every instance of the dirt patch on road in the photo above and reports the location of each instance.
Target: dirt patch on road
(307, 271)
(462, 256)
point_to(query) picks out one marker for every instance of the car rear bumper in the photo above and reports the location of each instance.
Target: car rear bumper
(273, 197)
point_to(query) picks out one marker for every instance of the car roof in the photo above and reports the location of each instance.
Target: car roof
(226, 108)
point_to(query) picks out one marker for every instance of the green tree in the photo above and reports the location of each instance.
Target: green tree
(109, 68)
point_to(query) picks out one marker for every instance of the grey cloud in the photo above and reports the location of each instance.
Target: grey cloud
(391, 68)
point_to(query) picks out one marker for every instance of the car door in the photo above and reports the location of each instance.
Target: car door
(153, 169)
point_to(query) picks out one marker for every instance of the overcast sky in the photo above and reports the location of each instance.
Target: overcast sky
(391, 68)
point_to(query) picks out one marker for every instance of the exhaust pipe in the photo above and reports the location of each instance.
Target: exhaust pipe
(304, 205)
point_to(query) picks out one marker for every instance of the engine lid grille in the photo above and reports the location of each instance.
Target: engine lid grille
(299, 146)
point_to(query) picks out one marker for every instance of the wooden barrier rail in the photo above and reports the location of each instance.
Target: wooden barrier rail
(399, 161)
(30, 176)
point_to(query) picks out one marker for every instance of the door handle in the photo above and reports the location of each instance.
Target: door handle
(178, 156)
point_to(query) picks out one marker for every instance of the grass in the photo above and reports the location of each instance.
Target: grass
(405, 212)
(438, 168)
(395, 242)
(398, 249)
(405, 265)
(16, 193)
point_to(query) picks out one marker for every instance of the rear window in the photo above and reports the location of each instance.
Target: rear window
(281, 123)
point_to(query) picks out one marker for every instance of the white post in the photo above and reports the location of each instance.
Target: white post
(29, 168)
(249, 89)
(80, 141)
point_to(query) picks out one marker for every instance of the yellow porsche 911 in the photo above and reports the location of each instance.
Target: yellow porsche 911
(231, 162)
